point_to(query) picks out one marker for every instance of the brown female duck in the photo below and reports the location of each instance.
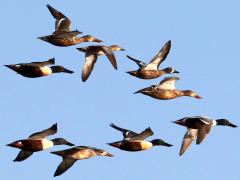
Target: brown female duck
(151, 70)
(91, 55)
(37, 142)
(133, 141)
(198, 127)
(38, 69)
(166, 90)
(62, 36)
(70, 156)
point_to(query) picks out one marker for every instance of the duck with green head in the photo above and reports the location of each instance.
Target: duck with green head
(38, 69)
(37, 142)
(133, 141)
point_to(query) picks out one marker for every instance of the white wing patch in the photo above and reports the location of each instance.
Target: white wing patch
(60, 21)
(151, 66)
(46, 143)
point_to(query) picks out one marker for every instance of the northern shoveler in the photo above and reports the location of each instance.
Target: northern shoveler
(198, 128)
(70, 156)
(151, 70)
(166, 90)
(133, 141)
(37, 69)
(92, 53)
(37, 142)
(62, 36)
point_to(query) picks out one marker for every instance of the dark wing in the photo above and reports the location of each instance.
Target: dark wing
(139, 63)
(64, 166)
(160, 57)
(126, 133)
(44, 63)
(143, 135)
(168, 83)
(22, 155)
(90, 60)
(62, 23)
(203, 131)
(190, 136)
(109, 55)
(42, 134)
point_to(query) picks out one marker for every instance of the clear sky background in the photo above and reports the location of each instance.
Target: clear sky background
(205, 49)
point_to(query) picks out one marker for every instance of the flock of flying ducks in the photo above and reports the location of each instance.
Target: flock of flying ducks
(198, 127)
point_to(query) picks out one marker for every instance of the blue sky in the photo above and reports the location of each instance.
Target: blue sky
(205, 49)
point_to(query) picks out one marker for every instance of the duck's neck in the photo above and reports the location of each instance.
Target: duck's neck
(80, 40)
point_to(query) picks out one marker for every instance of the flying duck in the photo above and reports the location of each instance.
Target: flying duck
(133, 141)
(166, 90)
(70, 156)
(62, 36)
(37, 142)
(151, 70)
(198, 128)
(37, 69)
(91, 55)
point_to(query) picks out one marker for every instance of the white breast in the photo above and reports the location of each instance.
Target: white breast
(46, 70)
(46, 143)
(145, 145)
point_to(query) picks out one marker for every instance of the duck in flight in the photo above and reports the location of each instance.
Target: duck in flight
(166, 90)
(70, 156)
(37, 142)
(91, 55)
(38, 69)
(63, 36)
(151, 70)
(198, 127)
(133, 141)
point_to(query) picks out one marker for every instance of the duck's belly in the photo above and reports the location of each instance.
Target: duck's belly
(136, 146)
(164, 94)
(149, 74)
(62, 42)
(33, 72)
(83, 154)
(37, 145)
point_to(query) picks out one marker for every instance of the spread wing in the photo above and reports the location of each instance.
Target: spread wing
(62, 23)
(143, 135)
(139, 63)
(109, 55)
(126, 133)
(168, 83)
(203, 131)
(90, 60)
(190, 136)
(22, 155)
(43, 63)
(64, 166)
(159, 58)
(42, 134)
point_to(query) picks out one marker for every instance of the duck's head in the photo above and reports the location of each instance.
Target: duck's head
(59, 69)
(16, 144)
(102, 152)
(116, 48)
(170, 70)
(146, 90)
(89, 38)
(191, 94)
(61, 141)
(225, 122)
(160, 142)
